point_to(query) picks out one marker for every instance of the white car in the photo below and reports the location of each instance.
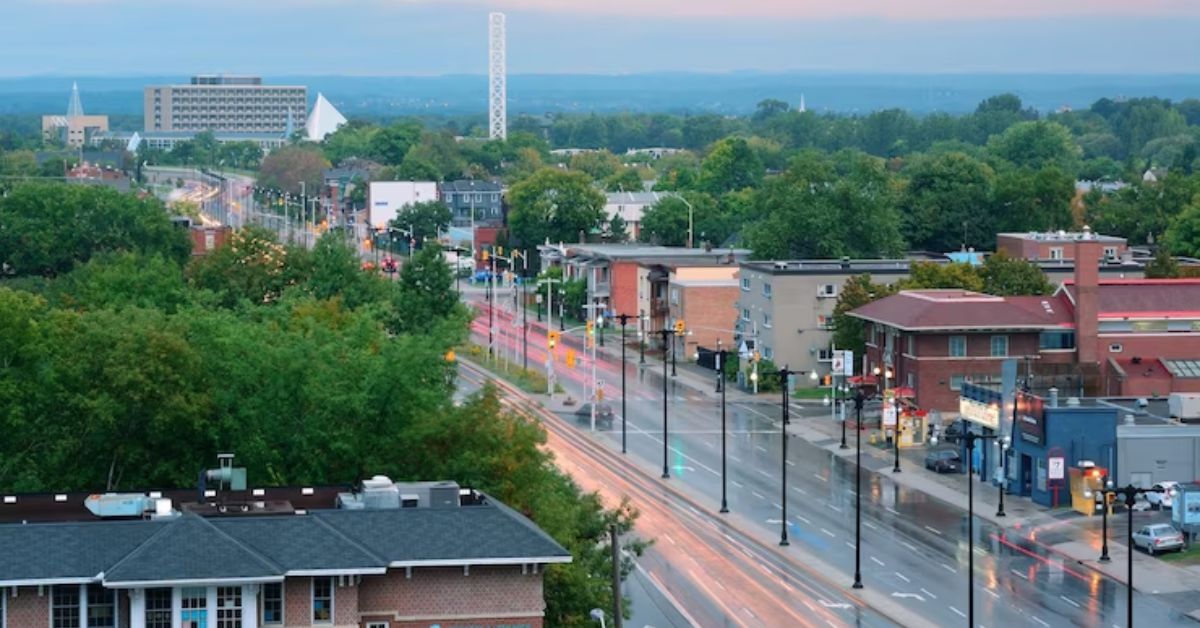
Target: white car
(1158, 501)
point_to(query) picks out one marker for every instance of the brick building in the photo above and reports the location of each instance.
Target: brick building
(393, 555)
(704, 298)
(206, 239)
(1111, 337)
(1058, 245)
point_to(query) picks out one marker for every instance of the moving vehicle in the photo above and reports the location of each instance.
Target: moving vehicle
(1158, 537)
(604, 415)
(1158, 501)
(945, 460)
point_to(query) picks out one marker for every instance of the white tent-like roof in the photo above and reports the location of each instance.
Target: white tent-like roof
(323, 120)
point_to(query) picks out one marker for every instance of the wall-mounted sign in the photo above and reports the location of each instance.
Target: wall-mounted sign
(1031, 419)
(985, 414)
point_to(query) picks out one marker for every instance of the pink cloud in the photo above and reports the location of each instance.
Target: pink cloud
(826, 9)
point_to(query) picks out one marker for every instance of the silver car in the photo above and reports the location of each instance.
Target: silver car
(1158, 537)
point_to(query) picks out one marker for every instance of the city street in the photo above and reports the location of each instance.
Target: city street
(914, 548)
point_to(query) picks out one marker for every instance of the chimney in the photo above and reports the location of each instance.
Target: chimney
(1087, 279)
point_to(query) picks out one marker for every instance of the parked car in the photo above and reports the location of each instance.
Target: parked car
(1158, 537)
(945, 460)
(1158, 501)
(604, 414)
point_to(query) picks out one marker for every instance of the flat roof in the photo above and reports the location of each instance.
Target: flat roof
(1060, 236)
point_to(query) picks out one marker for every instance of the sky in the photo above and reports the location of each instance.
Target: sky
(431, 37)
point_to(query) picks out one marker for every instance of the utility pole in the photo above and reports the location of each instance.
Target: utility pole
(666, 333)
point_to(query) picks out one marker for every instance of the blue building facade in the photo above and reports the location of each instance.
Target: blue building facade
(1048, 441)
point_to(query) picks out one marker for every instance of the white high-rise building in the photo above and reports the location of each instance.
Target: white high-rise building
(497, 78)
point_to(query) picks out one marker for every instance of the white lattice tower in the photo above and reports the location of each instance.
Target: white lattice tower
(497, 79)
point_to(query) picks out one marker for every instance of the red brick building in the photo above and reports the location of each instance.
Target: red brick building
(391, 556)
(1111, 337)
(705, 298)
(205, 240)
(1058, 245)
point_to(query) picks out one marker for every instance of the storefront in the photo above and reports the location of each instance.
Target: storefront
(1048, 441)
(979, 408)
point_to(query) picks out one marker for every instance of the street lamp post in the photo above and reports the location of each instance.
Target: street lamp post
(1102, 497)
(667, 334)
(842, 400)
(785, 375)
(642, 337)
(970, 439)
(721, 385)
(859, 399)
(1130, 493)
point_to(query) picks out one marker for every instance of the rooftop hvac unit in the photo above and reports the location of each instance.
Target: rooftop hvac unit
(380, 492)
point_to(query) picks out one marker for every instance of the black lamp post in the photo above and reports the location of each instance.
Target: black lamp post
(524, 325)
(673, 352)
(1130, 493)
(859, 399)
(841, 399)
(721, 385)
(1102, 496)
(491, 307)
(970, 439)
(624, 318)
(642, 337)
(896, 432)
(667, 334)
(784, 374)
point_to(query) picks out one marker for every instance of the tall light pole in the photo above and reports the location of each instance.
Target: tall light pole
(859, 399)
(1102, 496)
(785, 375)
(624, 319)
(690, 212)
(642, 320)
(667, 334)
(721, 385)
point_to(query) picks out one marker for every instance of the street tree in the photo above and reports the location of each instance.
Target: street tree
(943, 200)
(730, 165)
(1036, 144)
(1008, 276)
(554, 205)
(1033, 200)
(286, 168)
(426, 220)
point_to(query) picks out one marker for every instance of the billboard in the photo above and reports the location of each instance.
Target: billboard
(388, 198)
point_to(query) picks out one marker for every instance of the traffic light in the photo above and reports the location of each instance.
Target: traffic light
(500, 251)
(679, 327)
(570, 358)
(485, 257)
(591, 327)
(757, 356)
(552, 339)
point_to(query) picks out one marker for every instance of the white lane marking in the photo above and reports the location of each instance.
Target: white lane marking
(926, 592)
(1069, 601)
(877, 561)
(776, 505)
(757, 494)
(849, 544)
(761, 448)
(748, 612)
(958, 612)
(669, 539)
(1019, 574)
(870, 525)
(949, 568)
(891, 510)
(829, 533)
(818, 476)
(1040, 621)
(992, 593)
(735, 459)
(737, 484)
(708, 444)
(834, 508)
(719, 585)
(901, 576)
(909, 545)
(803, 519)
(980, 551)
(791, 464)
(763, 473)
(933, 530)
(799, 490)
(667, 594)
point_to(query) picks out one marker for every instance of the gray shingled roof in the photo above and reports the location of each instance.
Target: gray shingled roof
(194, 548)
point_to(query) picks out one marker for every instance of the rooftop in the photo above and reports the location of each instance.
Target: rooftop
(469, 185)
(638, 251)
(1060, 236)
(637, 198)
(928, 310)
(1160, 298)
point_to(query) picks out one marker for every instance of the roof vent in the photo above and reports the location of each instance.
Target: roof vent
(1073, 402)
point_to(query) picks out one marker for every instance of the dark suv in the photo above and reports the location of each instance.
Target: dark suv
(943, 461)
(604, 415)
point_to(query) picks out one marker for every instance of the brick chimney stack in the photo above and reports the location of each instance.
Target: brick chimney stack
(1087, 279)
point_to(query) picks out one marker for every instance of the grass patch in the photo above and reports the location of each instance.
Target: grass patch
(809, 393)
(1189, 556)
(528, 380)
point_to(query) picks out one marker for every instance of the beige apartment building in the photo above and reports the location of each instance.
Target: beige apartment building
(218, 102)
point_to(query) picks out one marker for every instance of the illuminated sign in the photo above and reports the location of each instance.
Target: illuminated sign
(1031, 419)
(985, 414)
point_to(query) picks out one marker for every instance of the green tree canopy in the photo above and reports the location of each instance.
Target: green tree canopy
(1034, 200)
(554, 205)
(426, 219)
(943, 202)
(730, 165)
(1036, 144)
(285, 168)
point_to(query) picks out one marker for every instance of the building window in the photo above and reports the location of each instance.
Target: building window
(1053, 340)
(767, 290)
(999, 346)
(158, 608)
(193, 604)
(322, 600)
(377, 624)
(64, 606)
(958, 346)
(956, 382)
(272, 603)
(229, 607)
(745, 314)
(1110, 252)
(827, 291)
(824, 355)
(746, 283)
(1056, 252)
(1115, 347)
(824, 322)
(766, 320)
(1149, 326)
(101, 607)
(768, 353)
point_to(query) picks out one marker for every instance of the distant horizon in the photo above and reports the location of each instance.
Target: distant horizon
(747, 72)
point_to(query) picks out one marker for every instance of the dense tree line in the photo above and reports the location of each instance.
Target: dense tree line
(124, 364)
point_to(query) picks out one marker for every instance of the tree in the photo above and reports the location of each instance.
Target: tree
(624, 180)
(427, 220)
(438, 152)
(1007, 276)
(353, 139)
(850, 332)
(554, 205)
(598, 164)
(1163, 265)
(251, 267)
(246, 155)
(50, 227)
(618, 231)
(769, 108)
(123, 279)
(1183, 234)
(731, 165)
(426, 294)
(666, 222)
(935, 276)
(286, 168)
(1036, 145)
(943, 199)
(389, 145)
(1029, 200)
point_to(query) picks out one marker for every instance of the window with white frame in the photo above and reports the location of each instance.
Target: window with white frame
(1110, 251)
(767, 290)
(745, 314)
(958, 347)
(101, 607)
(64, 606)
(746, 283)
(766, 320)
(272, 603)
(824, 355)
(193, 605)
(322, 600)
(827, 291)
(158, 608)
(229, 607)
(1056, 252)
(768, 353)
(999, 346)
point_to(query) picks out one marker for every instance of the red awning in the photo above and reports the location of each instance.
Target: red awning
(904, 392)
(862, 380)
